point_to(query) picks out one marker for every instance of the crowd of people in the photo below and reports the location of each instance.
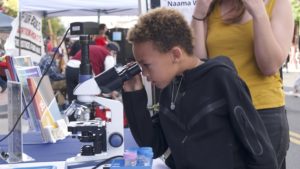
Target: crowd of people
(64, 73)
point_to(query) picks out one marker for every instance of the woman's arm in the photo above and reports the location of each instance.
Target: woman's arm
(199, 27)
(199, 30)
(272, 39)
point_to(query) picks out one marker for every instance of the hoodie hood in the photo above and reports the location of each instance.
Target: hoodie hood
(209, 64)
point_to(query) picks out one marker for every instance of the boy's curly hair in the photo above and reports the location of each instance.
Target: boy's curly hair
(166, 28)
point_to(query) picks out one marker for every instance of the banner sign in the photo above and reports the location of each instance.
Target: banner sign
(27, 38)
(186, 7)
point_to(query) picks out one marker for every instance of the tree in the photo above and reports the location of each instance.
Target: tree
(296, 10)
(10, 7)
(296, 15)
(57, 27)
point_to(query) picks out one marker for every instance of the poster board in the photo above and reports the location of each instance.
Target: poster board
(186, 7)
(26, 37)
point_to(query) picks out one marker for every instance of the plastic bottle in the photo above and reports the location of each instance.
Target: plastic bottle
(145, 155)
(130, 158)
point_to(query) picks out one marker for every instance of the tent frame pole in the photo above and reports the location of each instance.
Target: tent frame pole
(20, 21)
(98, 15)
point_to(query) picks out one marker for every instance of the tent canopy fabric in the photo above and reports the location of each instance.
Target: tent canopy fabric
(54, 8)
(5, 24)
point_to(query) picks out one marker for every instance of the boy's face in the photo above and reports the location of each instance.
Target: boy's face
(157, 67)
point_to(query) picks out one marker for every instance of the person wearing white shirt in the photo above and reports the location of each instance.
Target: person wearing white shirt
(111, 60)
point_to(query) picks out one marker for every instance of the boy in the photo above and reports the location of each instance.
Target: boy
(205, 116)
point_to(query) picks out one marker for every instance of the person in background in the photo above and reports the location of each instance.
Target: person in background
(3, 84)
(257, 36)
(296, 90)
(53, 72)
(72, 70)
(286, 65)
(102, 39)
(111, 59)
(49, 45)
(74, 49)
(68, 46)
(110, 62)
(58, 80)
(206, 119)
(61, 64)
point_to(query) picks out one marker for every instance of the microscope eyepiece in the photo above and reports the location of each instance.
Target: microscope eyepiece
(130, 71)
(114, 78)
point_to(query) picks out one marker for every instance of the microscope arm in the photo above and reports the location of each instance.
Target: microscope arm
(88, 87)
(86, 90)
(105, 82)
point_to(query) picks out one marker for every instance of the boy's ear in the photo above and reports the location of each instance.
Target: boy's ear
(176, 54)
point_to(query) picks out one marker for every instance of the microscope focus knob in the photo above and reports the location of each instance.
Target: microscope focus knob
(87, 150)
(115, 139)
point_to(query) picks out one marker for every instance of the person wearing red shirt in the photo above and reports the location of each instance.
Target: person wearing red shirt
(101, 39)
(97, 56)
(49, 45)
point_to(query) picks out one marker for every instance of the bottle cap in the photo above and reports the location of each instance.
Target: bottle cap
(130, 155)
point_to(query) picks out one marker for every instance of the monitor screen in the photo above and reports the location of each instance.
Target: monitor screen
(117, 36)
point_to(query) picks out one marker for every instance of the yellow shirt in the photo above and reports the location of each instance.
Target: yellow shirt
(236, 42)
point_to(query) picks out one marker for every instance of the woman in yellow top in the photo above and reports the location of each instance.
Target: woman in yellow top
(256, 35)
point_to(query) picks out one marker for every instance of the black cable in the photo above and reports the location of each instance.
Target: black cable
(105, 161)
(31, 100)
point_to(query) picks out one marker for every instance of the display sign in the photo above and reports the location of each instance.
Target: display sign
(26, 37)
(186, 7)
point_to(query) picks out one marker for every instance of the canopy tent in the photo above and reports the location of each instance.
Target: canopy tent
(29, 40)
(58, 8)
(5, 24)
(54, 8)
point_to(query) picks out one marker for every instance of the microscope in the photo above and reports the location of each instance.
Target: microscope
(103, 138)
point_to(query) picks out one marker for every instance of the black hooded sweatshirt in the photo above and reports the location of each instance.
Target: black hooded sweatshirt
(214, 124)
